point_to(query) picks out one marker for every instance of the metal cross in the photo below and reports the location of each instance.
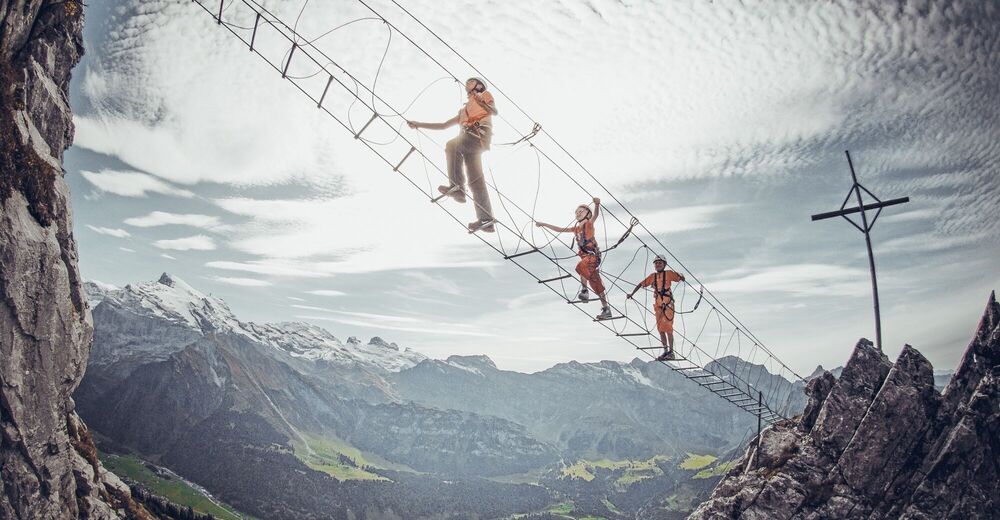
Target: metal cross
(865, 228)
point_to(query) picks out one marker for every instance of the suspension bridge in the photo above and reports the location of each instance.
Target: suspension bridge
(715, 349)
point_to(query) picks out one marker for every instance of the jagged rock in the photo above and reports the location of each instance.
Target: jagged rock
(379, 342)
(883, 445)
(879, 449)
(47, 460)
(817, 389)
(845, 406)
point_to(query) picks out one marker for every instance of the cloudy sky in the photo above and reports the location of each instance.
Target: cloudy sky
(722, 126)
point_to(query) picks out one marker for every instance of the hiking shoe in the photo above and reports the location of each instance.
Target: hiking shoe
(486, 226)
(583, 296)
(605, 313)
(666, 356)
(454, 192)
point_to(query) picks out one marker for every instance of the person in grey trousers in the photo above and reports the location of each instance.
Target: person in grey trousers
(476, 131)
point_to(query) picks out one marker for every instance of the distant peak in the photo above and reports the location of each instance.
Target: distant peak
(472, 361)
(172, 281)
(379, 342)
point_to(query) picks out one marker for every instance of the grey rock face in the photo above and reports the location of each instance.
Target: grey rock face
(845, 406)
(47, 458)
(880, 443)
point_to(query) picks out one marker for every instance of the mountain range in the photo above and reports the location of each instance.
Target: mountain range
(177, 379)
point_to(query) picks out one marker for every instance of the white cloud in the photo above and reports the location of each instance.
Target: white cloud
(927, 242)
(196, 243)
(242, 282)
(127, 250)
(675, 220)
(132, 184)
(119, 233)
(384, 326)
(276, 267)
(795, 279)
(327, 292)
(365, 232)
(168, 257)
(162, 218)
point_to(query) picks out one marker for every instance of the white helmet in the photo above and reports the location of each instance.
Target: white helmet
(481, 87)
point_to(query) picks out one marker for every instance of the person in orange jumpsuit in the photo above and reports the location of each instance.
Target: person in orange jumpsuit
(663, 305)
(475, 120)
(590, 254)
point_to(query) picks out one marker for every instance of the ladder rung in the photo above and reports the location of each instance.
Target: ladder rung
(556, 278)
(412, 149)
(284, 72)
(515, 255)
(363, 128)
(633, 334)
(321, 98)
(611, 318)
(253, 36)
(726, 397)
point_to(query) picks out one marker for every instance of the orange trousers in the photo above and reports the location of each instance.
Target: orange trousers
(664, 315)
(588, 269)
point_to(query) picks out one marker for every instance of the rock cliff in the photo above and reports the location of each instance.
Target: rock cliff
(880, 442)
(48, 461)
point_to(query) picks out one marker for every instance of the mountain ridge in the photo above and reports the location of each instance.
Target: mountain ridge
(880, 442)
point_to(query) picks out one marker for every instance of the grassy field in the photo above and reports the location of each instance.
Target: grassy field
(175, 490)
(695, 462)
(326, 457)
(716, 471)
(631, 471)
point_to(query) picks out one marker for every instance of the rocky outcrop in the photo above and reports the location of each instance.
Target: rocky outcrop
(880, 442)
(47, 458)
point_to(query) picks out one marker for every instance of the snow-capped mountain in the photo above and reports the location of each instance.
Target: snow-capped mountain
(175, 306)
(175, 375)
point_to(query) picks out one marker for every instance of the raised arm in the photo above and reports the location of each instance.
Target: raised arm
(597, 209)
(433, 126)
(553, 228)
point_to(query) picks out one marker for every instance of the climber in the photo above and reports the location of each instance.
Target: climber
(475, 121)
(664, 304)
(590, 254)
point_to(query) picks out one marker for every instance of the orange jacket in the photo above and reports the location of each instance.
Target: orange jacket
(661, 284)
(473, 112)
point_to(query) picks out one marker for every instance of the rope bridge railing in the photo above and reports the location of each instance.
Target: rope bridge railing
(717, 352)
